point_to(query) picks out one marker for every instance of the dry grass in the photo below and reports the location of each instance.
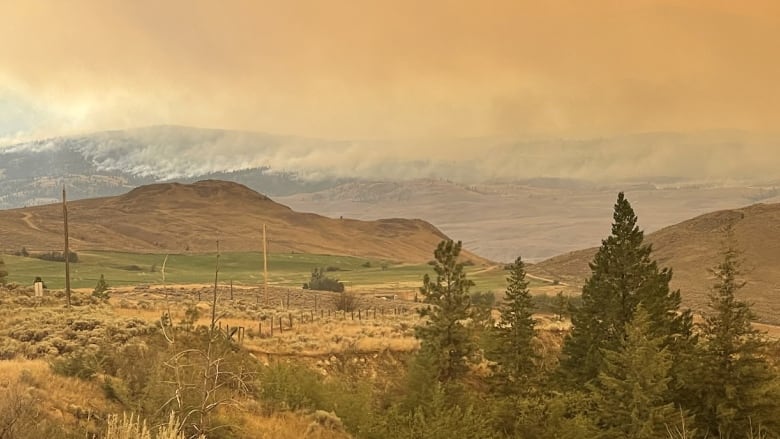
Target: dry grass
(289, 426)
(334, 334)
(71, 402)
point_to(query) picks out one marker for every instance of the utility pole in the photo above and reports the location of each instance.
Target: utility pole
(67, 250)
(265, 267)
(214, 304)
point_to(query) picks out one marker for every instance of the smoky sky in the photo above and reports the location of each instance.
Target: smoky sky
(412, 75)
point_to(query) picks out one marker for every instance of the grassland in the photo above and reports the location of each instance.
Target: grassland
(243, 268)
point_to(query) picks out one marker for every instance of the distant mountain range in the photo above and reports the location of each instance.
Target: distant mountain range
(536, 217)
(113, 162)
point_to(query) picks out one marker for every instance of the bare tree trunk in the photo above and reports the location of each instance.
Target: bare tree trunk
(67, 249)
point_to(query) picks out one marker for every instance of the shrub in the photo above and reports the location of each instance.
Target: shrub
(79, 364)
(291, 387)
(320, 282)
(346, 302)
(58, 257)
(3, 272)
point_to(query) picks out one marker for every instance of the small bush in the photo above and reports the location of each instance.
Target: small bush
(131, 268)
(79, 364)
(291, 387)
(58, 256)
(346, 302)
(320, 282)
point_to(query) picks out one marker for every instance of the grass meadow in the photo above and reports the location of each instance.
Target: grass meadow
(243, 268)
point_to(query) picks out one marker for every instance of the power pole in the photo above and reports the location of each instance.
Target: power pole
(214, 304)
(265, 267)
(67, 249)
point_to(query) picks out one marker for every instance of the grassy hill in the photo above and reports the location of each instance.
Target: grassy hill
(691, 247)
(175, 218)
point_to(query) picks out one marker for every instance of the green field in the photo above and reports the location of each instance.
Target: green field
(245, 268)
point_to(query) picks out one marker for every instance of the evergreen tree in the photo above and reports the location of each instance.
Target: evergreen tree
(514, 353)
(561, 304)
(101, 289)
(444, 337)
(735, 391)
(3, 272)
(632, 390)
(622, 275)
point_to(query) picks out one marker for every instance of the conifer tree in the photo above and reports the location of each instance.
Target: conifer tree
(632, 389)
(444, 337)
(514, 353)
(101, 289)
(735, 392)
(622, 275)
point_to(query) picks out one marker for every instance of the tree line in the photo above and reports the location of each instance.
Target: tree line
(634, 365)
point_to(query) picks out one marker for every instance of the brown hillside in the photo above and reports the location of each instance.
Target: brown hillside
(692, 247)
(173, 217)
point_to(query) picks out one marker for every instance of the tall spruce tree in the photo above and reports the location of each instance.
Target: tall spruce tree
(513, 351)
(631, 391)
(443, 336)
(623, 274)
(735, 388)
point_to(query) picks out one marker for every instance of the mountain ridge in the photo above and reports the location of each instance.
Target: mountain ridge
(176, 217)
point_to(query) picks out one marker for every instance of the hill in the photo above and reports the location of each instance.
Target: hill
(691, 247)
(174, 217)
(537, 218)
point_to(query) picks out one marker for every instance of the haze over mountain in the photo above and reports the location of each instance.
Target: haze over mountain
(531, 210)
(691, 247)
(534, 219)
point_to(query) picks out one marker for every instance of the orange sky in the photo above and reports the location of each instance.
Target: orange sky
(391, 69)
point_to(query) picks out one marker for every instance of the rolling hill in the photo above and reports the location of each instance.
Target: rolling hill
(691, 247)
(537, 219)
(174, 217)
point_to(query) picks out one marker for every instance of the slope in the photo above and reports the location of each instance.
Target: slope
(692, 247)
(173, 217)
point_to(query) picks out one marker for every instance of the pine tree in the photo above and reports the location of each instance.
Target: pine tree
(561, 304)
(735, 392)
(632, 390)
(444, 336)
(622, 275)
(101, 289)
(514, 354)
(3, 272)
